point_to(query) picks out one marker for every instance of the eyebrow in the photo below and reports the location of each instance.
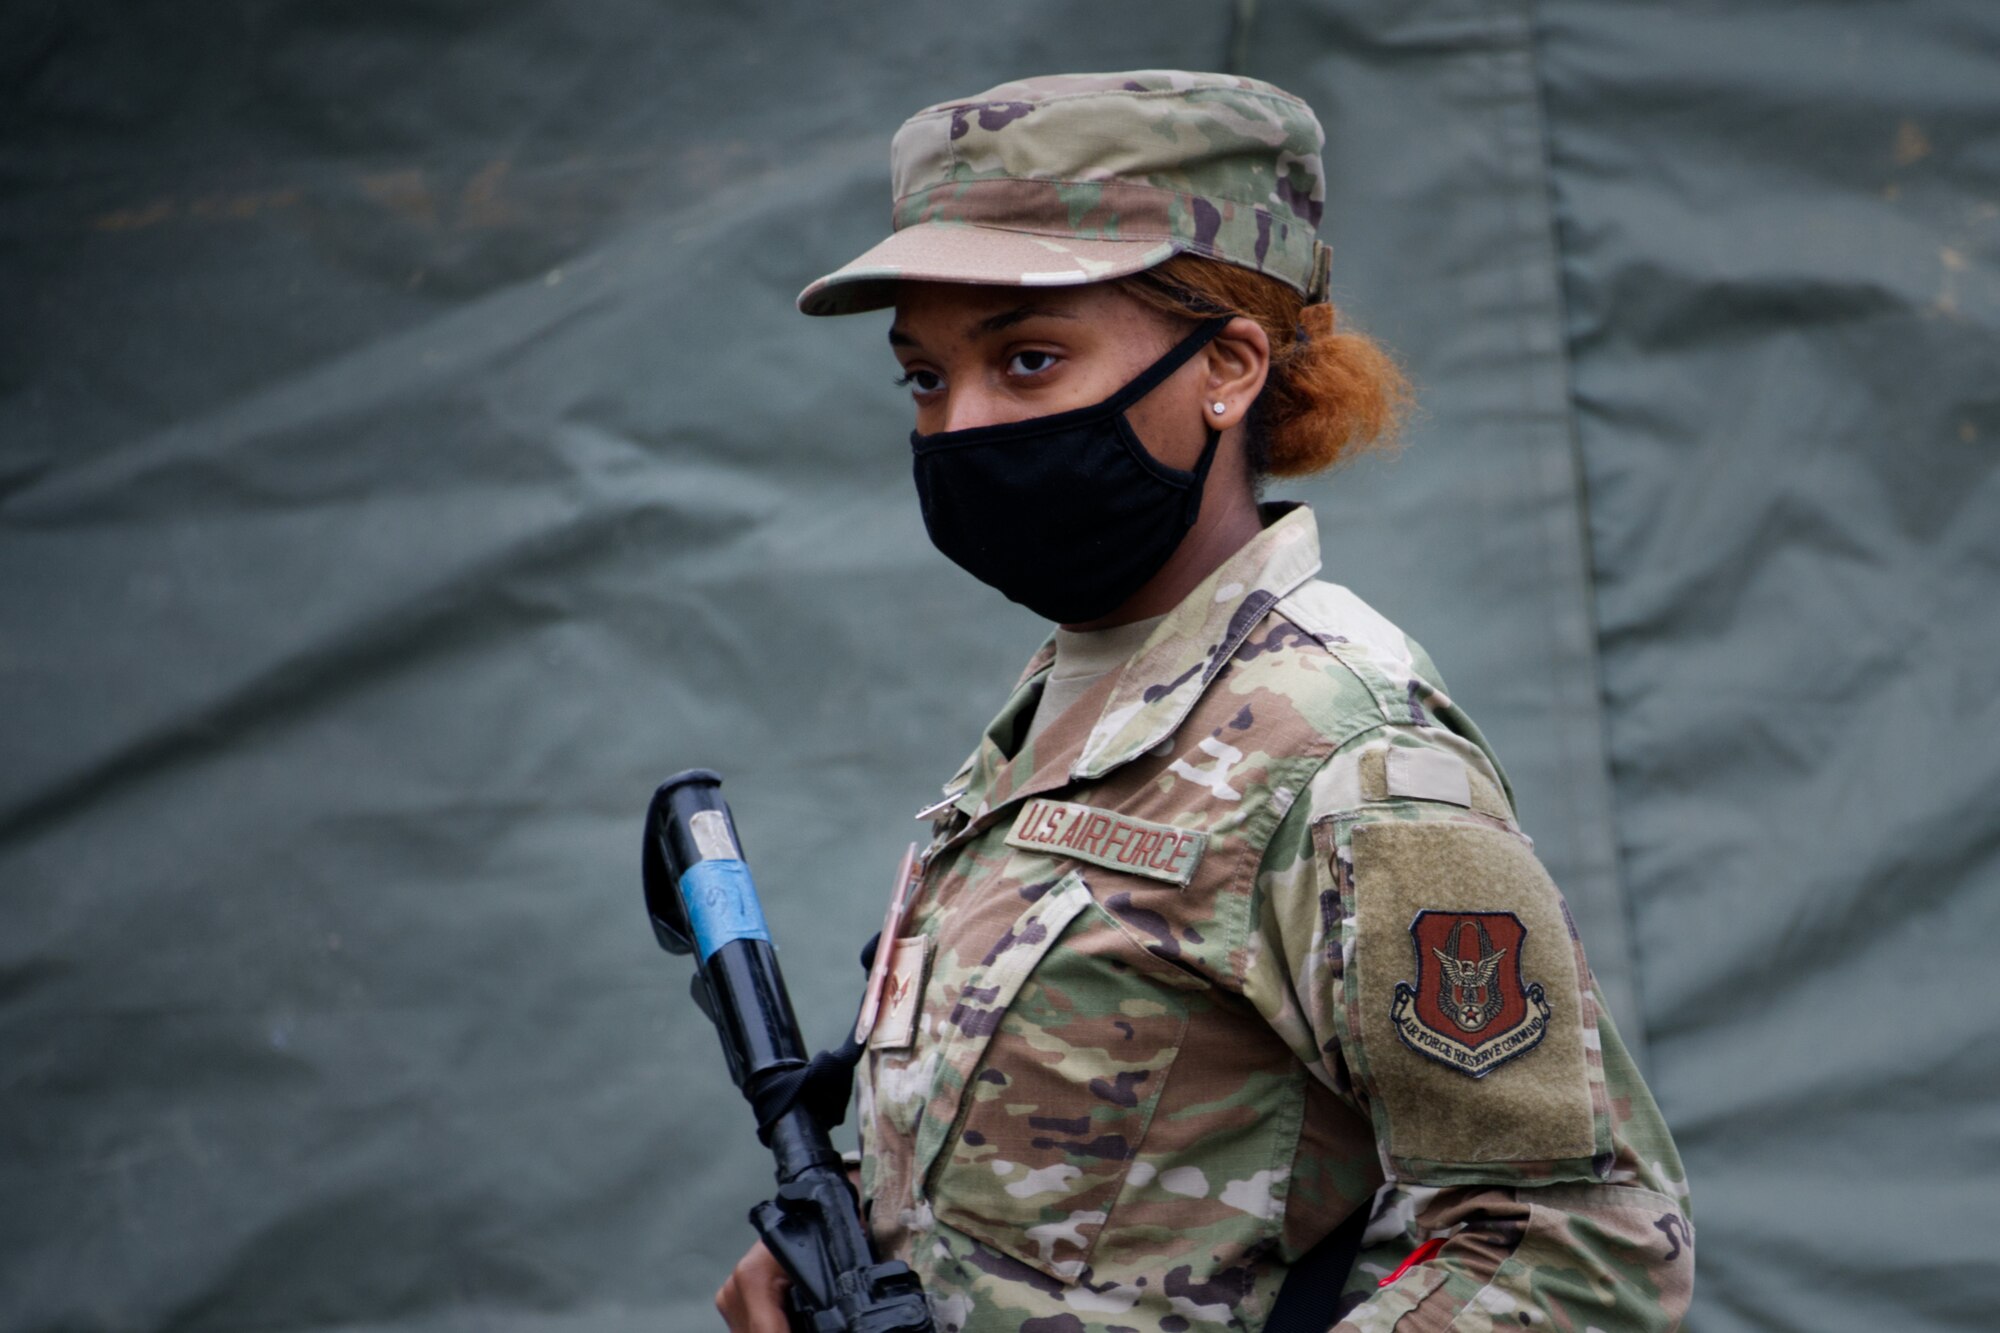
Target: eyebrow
(1006, 319)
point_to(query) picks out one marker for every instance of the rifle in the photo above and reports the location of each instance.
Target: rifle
(701, 900)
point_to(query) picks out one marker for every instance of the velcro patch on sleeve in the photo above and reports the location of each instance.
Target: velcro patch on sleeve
(1427, 775)
(1396, 772)
(1488, 799)
(1471, 1012)
(1109, 839)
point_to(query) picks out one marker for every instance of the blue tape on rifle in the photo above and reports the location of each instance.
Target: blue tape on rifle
(721, 904)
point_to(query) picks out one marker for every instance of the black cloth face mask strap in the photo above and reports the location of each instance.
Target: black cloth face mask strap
(1067, 514)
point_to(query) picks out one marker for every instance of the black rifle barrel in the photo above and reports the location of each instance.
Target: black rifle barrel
(701, 899)
(746, 991)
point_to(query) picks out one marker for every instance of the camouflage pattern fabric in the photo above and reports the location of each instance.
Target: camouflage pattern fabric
(1173, 1018)
(1076, 178)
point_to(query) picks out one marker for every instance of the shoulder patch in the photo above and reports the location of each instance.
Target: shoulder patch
(1468, 1009)
(1484, 1055)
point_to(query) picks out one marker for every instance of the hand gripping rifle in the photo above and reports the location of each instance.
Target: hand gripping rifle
(701, 900)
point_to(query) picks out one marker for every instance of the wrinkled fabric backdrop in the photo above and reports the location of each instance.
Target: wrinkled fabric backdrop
(409, 454)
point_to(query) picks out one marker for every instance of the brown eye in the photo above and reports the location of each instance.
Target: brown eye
(1030, 363)
(920, 382)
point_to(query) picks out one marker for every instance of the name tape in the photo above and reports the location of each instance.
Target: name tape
(1104, 838)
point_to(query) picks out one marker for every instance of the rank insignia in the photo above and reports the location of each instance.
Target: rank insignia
(902, 993)
(1469, 1009)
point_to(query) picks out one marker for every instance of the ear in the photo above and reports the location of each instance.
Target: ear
(1239, 361)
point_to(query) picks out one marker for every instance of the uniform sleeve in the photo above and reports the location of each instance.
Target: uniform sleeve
(1413, 952)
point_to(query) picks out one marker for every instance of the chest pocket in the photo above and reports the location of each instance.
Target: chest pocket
(1055, 1057)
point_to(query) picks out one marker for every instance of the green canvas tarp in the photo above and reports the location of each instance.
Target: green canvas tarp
(409, 454)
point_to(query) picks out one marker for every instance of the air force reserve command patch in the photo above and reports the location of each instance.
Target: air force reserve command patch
(1488, 1054)
(1106, 838)
(1468, 1009)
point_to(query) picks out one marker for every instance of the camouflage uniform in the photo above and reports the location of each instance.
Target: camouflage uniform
(1246, 940)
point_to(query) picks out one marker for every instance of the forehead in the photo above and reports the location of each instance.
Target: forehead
(959, 309)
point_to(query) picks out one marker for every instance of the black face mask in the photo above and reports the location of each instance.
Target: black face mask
(1066, 514)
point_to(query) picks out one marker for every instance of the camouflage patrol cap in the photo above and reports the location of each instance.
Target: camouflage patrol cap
(1075, 178)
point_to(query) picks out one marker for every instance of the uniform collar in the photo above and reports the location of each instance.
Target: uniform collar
(1132, 710)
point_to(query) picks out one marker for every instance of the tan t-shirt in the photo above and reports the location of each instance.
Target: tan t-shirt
(1083, 656)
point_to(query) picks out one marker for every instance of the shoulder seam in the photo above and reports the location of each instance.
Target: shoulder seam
(1388, 701)
(1287, 605)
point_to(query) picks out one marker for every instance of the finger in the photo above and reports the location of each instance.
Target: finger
(752, 1298)
(766, 1300)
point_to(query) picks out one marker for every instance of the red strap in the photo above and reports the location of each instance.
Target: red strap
(1422, 1254)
